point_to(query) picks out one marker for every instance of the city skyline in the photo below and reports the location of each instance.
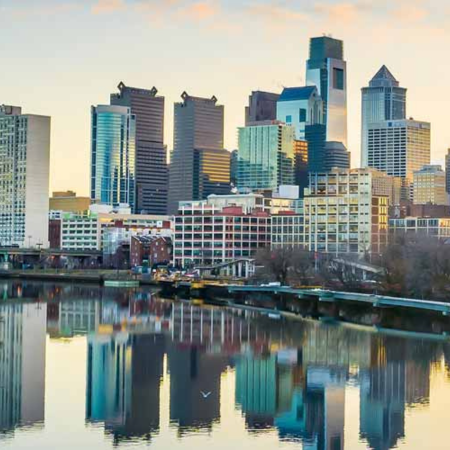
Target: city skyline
(88, 69)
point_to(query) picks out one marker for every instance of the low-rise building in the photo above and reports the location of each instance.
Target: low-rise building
(288, 231)
(68, 201)
(150, 249)
(102, 228)
(435, 227)
(212, 232)
(344, 213)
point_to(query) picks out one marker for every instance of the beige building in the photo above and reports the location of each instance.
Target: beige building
(346, 212)
(68, 201)
(429, 186)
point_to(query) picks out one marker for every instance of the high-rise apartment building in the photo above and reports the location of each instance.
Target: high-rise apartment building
(199, 166)
(398, 147)
(265, 156)
(327, 70)
(24, 177)
(113, 176)
(345, 213)
(383, 99)
(151, 153)
(429, 186)
(262, 106)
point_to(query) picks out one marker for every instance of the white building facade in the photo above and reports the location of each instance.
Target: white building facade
(24, 178)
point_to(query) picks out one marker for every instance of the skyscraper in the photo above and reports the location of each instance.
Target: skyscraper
(300, 107)
(200, 166)
(398, 147)
(383, 99)
(113, 179)
(336, 156)
(327, 70)
(261, 106)
(151, 153)
(24, 177)
(265, 156)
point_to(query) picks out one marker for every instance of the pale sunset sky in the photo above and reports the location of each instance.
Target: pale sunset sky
(59, 57)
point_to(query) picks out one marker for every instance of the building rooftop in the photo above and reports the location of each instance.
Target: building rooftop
(384, 77)
(297, 93)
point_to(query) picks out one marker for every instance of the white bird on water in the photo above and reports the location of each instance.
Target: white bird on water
(205, 394)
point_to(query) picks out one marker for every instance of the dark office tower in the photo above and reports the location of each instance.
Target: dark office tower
(199, 166)
(233, 167)
(151, 153)
(382, 100)
(327, 70)
(261, 106)
(336, 156)
(315, 135)
(301, 165)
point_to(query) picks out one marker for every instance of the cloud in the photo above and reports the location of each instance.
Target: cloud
(276, 13)
(199, 11)
(341, 12)
(108, 6)
(410, 13)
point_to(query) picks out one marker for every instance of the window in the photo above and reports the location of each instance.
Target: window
(338, 79)
(302, 115)
(288, 119)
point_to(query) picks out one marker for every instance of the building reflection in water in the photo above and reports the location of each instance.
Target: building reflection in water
(22, 365)
(290, 376)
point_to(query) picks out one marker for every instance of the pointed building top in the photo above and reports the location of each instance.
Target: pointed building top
(384, 78)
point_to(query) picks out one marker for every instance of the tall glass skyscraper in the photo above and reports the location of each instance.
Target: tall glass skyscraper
(265, 156)
(383, 99)
(113, 179)
(327, 70)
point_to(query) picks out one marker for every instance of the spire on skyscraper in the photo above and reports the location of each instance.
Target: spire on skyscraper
(384, 78)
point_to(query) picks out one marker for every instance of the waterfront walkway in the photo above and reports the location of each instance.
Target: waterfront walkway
(377, 301)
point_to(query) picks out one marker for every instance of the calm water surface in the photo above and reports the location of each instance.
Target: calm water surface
(89, 368)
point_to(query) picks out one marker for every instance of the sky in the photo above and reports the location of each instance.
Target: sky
(59, 57)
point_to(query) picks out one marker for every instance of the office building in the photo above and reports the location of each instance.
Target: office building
(288, 231)
(399, 147)
(68, 201)
(336, 156)
(262, 106)
(315, 135)
(209, 233)
(233, 167)
(299, 107)
(344, 213)
(301, 165)
(199, 164)
(113, 178)
(429, 186)
(382, 100)
(151, 153)
(265, 156)
(327, 70)
(24, 178)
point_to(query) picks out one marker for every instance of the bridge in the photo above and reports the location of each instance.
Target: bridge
(240, 268)
(321, 295)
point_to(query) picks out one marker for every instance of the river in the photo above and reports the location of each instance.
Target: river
(83, 367)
